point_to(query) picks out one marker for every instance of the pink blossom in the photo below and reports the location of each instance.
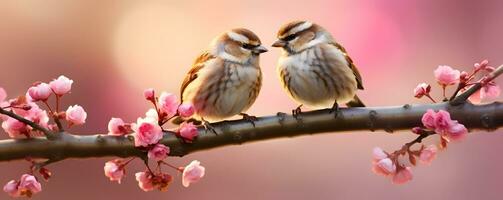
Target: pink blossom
(28, 185)
(62, 85)
(40, 92)
(417, 130)
(168, 104)
(463, 76)
(37, 115)
(152, 113)
(445, 75)
(490, 90)
(428, 119)
(23, 108)
(145, 181)
(384, 167)
(116, 127)
(11, 188)
(421, 90)
(14, 128)
(3, 94)
(378, 154)
(159, 152)
(186, 110)
(46, 174)
(162, 181)
(148, 182)
(456, 131)
(76, 115)
(442, 121)
(114, 170)
(481, 66)
(146, 132)
(192, 173)
(149, 94)
(188, 131)
(428, 154)
(402, 176)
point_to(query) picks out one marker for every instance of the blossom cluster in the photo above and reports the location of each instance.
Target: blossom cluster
(440, 123)
(148, 132)
(26, 106)
(447, 76)
(25, 187)
(435, 123)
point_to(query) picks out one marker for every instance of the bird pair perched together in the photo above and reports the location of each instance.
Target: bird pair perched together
(314, 69)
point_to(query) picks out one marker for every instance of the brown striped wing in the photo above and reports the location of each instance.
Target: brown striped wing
(351, 65)
(192, 74)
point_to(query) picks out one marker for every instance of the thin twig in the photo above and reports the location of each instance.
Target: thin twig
(55, 117)
(464, 96)
(458, 89)
(47, 133)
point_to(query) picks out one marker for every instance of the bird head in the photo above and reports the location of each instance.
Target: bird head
(238, 45)
(296, 36)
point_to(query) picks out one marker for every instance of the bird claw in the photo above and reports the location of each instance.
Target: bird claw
(335, 109)
(208, 127)
(296, 112)
(249, 118)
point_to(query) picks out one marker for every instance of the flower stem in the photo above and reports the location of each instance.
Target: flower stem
(169, 165)
(433, 100)
(443, 91)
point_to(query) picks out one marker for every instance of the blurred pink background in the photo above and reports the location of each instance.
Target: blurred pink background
(115, 49)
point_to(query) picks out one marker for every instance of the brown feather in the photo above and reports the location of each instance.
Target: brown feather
(192, 74)
(287, 27)
(351, 65)
(253, 39)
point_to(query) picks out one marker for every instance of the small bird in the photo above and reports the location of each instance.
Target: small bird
(225, 80)
(316, 70)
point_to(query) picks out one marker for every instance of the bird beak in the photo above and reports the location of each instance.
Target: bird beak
(279, 43)
(259, 50)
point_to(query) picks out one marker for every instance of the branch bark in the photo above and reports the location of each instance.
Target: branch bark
(389, 119)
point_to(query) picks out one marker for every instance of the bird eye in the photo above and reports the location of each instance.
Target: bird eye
(248, 46)
(290, 37)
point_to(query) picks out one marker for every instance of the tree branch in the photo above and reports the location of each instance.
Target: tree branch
(389, 119)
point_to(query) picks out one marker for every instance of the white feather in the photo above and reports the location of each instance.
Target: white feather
(237, 37)
(226, 56)
(300, 27)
